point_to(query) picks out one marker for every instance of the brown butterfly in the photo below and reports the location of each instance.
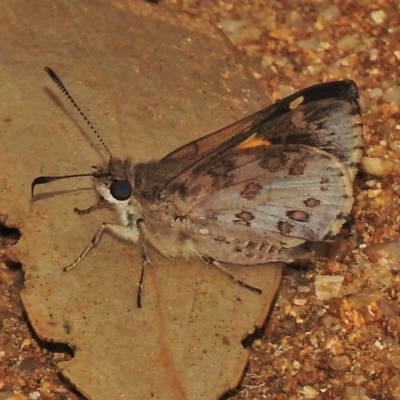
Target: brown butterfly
(254, 192)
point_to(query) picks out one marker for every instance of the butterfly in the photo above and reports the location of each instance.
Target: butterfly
(257, 191)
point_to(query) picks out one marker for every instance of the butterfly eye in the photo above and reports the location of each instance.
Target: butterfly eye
(121, 190)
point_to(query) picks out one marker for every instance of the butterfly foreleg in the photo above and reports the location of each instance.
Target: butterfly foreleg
(101, 203)
(128, 233)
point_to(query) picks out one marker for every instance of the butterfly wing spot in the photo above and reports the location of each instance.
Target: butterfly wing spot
(285, 227)
(241, 222)
(251, 190)
(296, 102)
(245, 215)
(312, 202)
(298, 215)
(297, 169)
(324, 182)
(298, 165)
(219, 169)
(274, 163)
(254, 140)
(244, 218)
(295, 164)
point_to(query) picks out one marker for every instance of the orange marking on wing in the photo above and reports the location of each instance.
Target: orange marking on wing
(254, 141)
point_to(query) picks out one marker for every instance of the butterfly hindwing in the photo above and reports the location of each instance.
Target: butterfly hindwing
(278, 195)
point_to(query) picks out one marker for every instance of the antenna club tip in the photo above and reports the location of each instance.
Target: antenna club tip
(52, 74)
(37, 181)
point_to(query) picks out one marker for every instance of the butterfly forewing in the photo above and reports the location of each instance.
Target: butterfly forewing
(336, 109)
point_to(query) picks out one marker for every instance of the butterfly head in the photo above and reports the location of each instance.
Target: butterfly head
(114, 183)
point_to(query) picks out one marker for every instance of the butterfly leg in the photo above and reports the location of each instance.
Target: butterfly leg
(97, 206)
(121, 231)
(145, 261)
(226, 272)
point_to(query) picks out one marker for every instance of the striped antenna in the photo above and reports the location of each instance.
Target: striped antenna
(59, 83)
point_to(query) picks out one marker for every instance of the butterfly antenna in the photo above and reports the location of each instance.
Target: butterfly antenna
(40, 180)
(59, 83)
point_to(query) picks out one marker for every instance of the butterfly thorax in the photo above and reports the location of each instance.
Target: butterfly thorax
(160, 221)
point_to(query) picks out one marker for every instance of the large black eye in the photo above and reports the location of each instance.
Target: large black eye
(121, 190)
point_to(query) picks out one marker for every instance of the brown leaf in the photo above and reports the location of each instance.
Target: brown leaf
(149, 86)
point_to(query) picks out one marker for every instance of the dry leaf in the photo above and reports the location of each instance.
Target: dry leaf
(149, 83)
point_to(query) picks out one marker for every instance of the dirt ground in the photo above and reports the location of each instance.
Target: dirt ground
(338, 341)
